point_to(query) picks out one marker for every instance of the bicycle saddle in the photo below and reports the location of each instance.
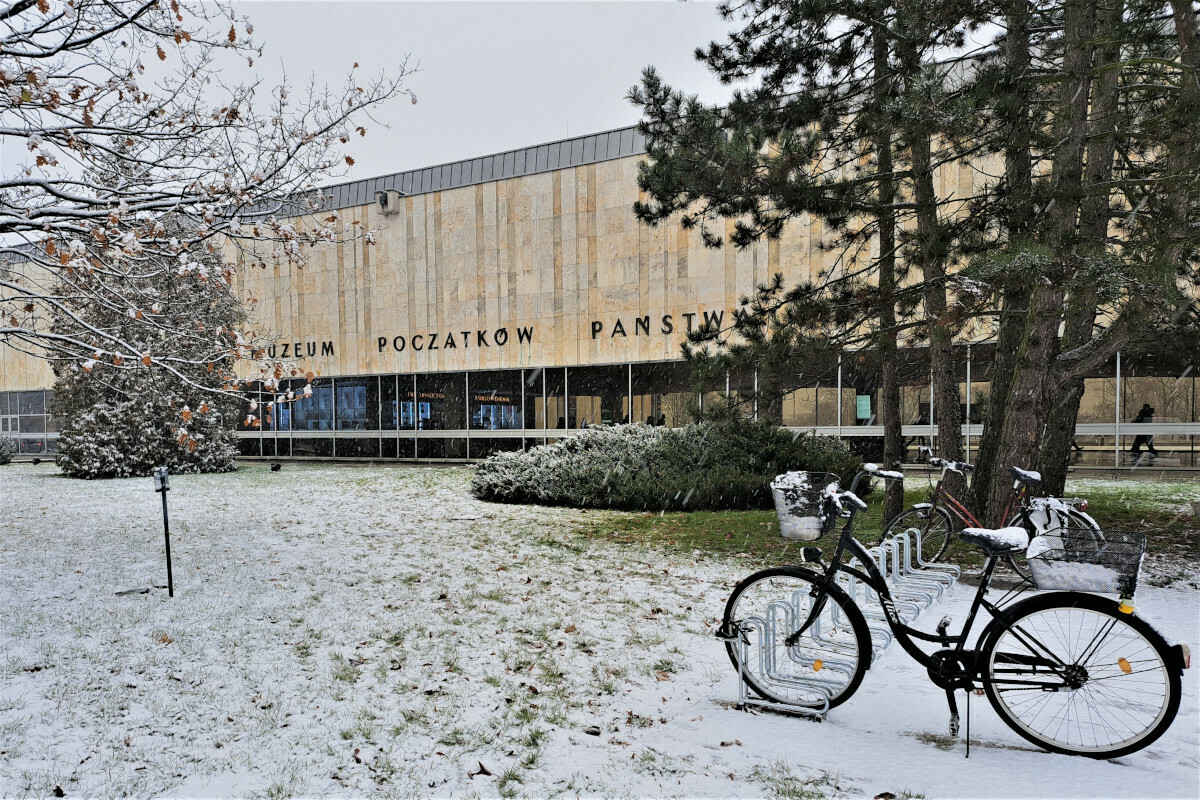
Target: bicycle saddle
(1025, 476)
(996, 541)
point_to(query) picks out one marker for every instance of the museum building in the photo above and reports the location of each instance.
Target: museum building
(512, 299)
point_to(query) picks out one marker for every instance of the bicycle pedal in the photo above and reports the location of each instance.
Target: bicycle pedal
(944, 625)
(954, 725)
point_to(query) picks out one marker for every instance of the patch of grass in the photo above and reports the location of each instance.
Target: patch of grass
(534, 738)
(525, 714)
(455, 737)
(781, 782)
(1149, 508)
(415, 716)
(344, 671)
(665, 665)
(754, 535)
(507, 783)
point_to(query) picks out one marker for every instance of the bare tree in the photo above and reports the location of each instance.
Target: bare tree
(126, 120)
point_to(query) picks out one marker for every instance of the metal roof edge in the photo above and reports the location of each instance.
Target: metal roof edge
(501, 165)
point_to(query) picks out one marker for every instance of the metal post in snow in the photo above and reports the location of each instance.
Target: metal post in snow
(968, 404)
(1117, 421)
(931, 448)
(839, 397)
(162, 486)
(629, 417)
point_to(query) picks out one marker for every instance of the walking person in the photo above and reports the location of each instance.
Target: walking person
(1145, 415)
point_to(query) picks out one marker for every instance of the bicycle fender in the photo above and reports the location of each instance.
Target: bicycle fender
(923, 505)
(1040, 519)
(997, 624)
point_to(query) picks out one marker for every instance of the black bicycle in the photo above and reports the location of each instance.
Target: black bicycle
(1070, 671)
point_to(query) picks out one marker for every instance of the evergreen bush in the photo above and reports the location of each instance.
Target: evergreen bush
(724, 464)
(120, 418)
(129, 437)
(8, 448)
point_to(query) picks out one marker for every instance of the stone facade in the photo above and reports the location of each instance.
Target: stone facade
(548, 268)
(540, 270)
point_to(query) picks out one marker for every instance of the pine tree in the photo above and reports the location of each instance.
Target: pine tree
(122, 418)
(845, 118)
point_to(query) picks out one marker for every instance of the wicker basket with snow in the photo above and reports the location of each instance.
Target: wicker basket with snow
(1087, 560)
(801, 504)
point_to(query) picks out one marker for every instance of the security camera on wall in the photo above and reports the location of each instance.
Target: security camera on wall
(389, 201)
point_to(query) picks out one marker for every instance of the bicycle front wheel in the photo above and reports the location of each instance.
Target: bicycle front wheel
(1072, 674)
(933, 523)
(789, 651)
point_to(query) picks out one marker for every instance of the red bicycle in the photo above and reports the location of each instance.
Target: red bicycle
(943, 515)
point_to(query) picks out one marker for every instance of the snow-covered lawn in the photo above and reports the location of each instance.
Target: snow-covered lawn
(376, 631)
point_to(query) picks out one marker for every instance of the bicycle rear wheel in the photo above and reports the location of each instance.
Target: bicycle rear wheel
(1072, 674)
(830, 648)
(934, 524)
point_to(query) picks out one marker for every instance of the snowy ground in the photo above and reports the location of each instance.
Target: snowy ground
(352, 631)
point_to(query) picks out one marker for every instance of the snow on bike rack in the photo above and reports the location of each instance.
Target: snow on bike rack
(915, 586)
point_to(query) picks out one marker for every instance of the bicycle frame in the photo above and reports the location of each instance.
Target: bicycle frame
(941, 498)
(937, 663)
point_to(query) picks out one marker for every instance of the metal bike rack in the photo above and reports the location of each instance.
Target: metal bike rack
(915, 586)
(746, 701)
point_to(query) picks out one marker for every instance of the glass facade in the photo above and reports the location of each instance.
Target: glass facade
(25, 418)
(470, 415)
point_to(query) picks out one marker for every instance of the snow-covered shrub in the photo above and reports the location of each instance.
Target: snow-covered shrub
(707, 465)
(122, 417)
(8, 448)
(129, 438)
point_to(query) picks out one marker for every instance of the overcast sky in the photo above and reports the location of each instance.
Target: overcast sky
(493, 75)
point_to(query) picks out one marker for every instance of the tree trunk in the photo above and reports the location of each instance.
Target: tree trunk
(930, 256)
(1184, 159)
(889, 391)
(1018, 219)
(1029, 396)
(1094, 214)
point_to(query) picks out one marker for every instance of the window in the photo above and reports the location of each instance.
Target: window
(441, 402)
(662, 394)
(535, 406)
(496, 400)
(357, 404)
(599, 395)
(314, 413)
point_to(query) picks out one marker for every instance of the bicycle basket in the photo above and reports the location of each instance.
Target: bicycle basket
(1087, 560)
(800, 504)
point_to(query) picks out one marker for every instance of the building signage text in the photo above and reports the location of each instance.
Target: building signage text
(300, 349)
(645, 325)
(453, 340)
(665, 324)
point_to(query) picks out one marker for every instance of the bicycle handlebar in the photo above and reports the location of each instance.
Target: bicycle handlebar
(849, 497)
(961, 467)
(886, 474)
